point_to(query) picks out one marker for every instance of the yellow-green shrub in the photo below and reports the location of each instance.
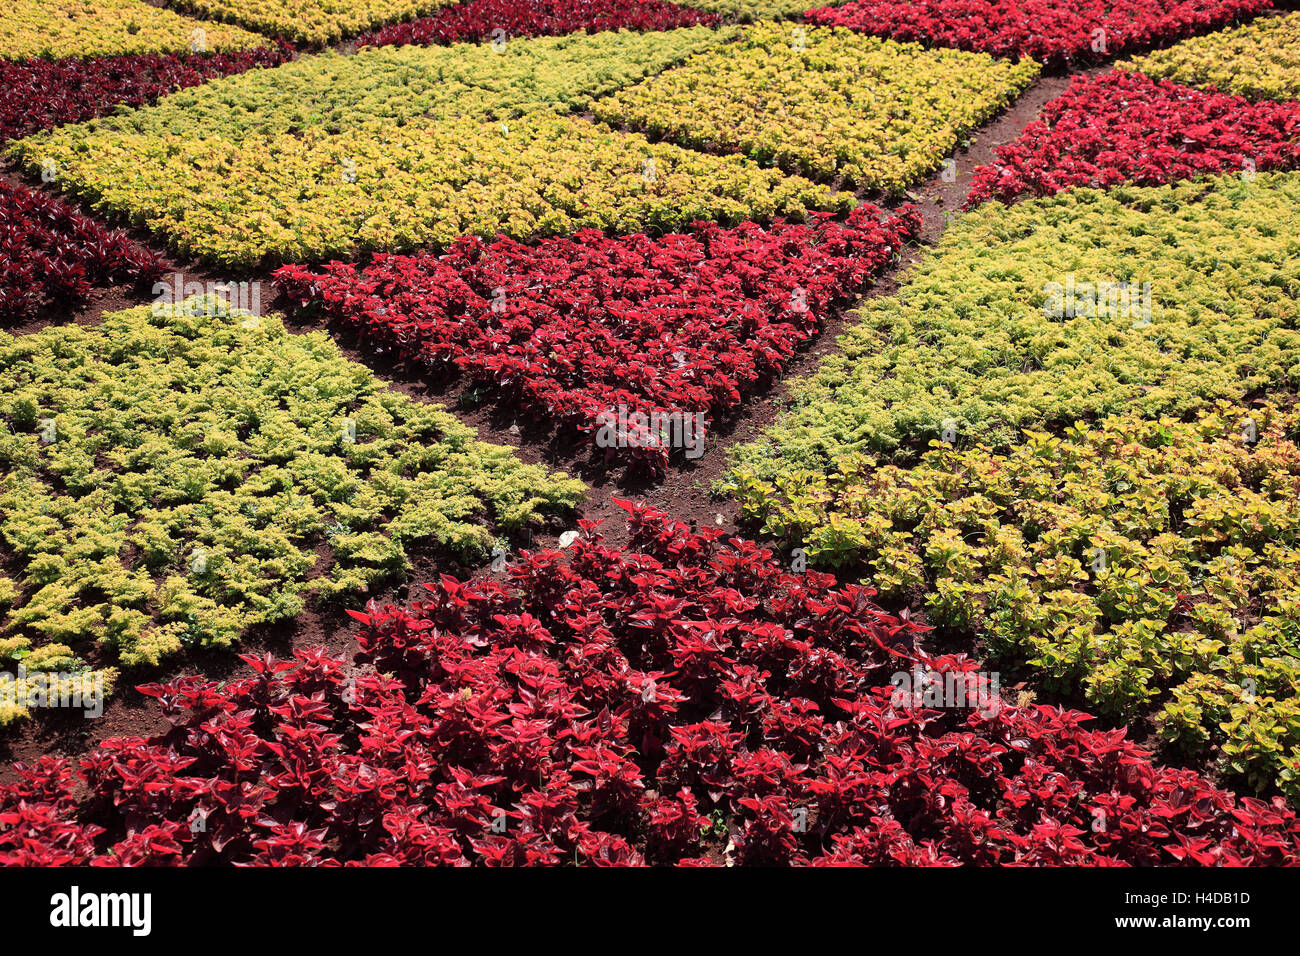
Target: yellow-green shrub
(400, 147)
(395, 85)
(1151, 567)
(166, 479)
(754, 9)
(1260, 60)
(59, 28)
(311, 21)
(825, 102)
(309, 197)
(967, 345)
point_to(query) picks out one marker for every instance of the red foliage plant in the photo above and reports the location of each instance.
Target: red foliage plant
(481, 19)
(51, 254)
(573, 328)
(684, 700)
(1054, 33)
(39, 94)
(1126, 128)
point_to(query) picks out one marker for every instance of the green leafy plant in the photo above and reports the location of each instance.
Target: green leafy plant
(168, 478)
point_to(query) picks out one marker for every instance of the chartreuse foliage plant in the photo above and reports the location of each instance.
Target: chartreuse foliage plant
(309, 197)
(753, 9)
(1260, 60)
(401, 147)
(824, 102)
(1150, 566)
(173, 477)
(311, 21)
(59, 28)
(1022, 318)
(335, 93)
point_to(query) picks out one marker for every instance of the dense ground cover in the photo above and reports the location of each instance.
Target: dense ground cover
(393, 148)
(298, 198)
(52, 255)
(310, 21)
(625, 234)
(39, 94)
(169, 475)
(499, 20)
(59, 28)
(1040, 313)
(1125, 128)
(1260, 60)
(393, 86)
(1052, 33)
(575, 329)
(683, 700)
(749, 10)
(824, 103)
(1148, 566)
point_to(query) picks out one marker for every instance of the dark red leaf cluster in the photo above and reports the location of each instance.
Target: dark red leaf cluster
(51, 254)
(479, 19)
(570, 329)
(40, 94)
(1056, 34)
(685, 700)
(1126, 128)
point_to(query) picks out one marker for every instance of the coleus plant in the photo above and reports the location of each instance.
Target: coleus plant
(39, 94)
(681, 700)
(500, 19)
(1123, 127)
(51, 254)
(573, 328)
(1053, 33)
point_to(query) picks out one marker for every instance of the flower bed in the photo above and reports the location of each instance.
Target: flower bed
(500, 20)
(50, 254)
(681, 701)
(1125, 128)
(59, 28)
(1148, 566)
(389, 87)
(395, 148)
(306, 198)
(824, 103)
(310, 21)
(572, 329)
(1052, 33)
(1260, 60)
(168, 476)
(1040, 313)
(41, 94)
(748, 10)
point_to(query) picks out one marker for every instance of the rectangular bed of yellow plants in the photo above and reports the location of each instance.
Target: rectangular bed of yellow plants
(85, 28)
(311, 21)
(398, 148)
(824, 102)
(1260, 60)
